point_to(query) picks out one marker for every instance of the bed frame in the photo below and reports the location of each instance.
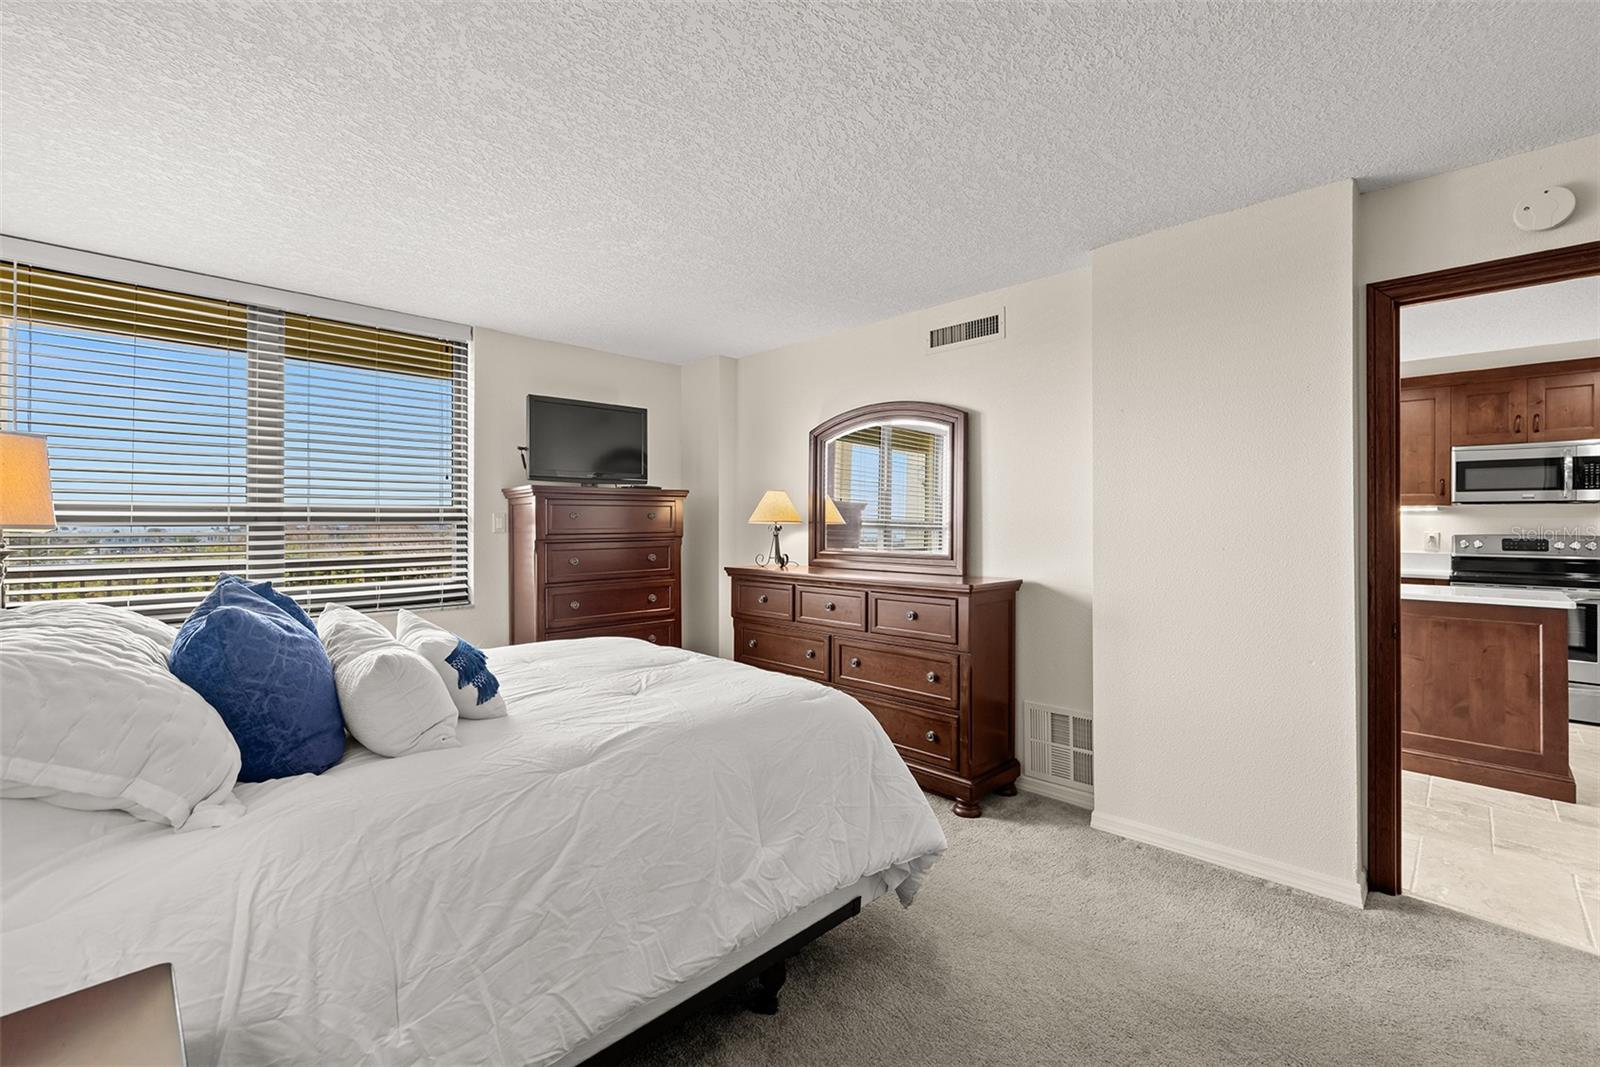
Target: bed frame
(768, 970)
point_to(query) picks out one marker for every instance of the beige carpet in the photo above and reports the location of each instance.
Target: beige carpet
(1040, 941)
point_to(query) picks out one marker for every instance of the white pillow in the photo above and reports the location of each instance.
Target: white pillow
(393, 701)
(91, 718)
(465, 683)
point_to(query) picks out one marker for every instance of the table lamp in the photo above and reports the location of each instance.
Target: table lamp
(775, 508)
(24, 491)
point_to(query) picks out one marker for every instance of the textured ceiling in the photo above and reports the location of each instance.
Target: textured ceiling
(1559, 313)
(676, 180)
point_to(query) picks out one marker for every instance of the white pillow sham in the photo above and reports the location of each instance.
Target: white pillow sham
(438, 645)
(393, 701)
(93, 719)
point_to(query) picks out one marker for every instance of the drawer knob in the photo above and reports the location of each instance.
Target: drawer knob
(573, 605)
(931, 736)
(762, 599)
(750, 643)
(855, 661)
(829, 606)
(572, 514)
(651, 557)
(932, 677)
(652, 639)
(573, 562)
(911, 616)
(652, 515)
(651, 598)
(811, 653)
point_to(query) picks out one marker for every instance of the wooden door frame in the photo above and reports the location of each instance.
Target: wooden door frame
(1384, 301)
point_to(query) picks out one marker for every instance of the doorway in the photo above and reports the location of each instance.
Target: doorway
(1385, 301)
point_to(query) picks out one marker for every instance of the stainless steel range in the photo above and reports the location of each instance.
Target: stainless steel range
(1563, 562)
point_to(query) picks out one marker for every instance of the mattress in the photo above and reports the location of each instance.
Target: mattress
(640, 815)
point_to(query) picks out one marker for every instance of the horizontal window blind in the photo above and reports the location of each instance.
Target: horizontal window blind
(190, 436)
(895, 476)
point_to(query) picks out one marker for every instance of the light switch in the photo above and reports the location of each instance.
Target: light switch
(497, 522)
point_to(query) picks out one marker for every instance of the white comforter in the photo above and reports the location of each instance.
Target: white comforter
(641, 813)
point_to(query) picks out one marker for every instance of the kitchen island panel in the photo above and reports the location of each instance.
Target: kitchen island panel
(1483, 694)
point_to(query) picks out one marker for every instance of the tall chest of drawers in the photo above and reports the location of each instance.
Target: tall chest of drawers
(595, 562)
(931, 658)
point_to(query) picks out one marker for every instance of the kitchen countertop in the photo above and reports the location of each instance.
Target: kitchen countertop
(1505, 598)
(1424, 565)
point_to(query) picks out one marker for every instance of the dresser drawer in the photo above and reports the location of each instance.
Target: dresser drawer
(611, 518)
(832, 607)
(766, 600)
(571, 607)
(922, 736)
(928, 677)
(576, 562)
(782, 650)
(929, 618)
(664, 632)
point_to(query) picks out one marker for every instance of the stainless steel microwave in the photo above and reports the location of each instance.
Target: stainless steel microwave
(1563, 472)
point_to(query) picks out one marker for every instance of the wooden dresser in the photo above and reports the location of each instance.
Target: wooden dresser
(931, 657)
(595, 562)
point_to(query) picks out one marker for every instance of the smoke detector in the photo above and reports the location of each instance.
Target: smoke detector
(1545, 210)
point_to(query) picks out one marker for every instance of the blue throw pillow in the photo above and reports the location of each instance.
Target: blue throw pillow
(283, 600)
(269, 678)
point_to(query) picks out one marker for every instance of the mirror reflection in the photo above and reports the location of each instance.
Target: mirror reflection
(890, 483)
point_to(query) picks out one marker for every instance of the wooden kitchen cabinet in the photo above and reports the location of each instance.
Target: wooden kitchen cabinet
(1425, 416)
(1490, 412)
(1564, 407)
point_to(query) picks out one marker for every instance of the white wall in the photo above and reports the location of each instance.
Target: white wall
(710, 421)
(1225, 664)
(1464, 216)
(506, 368)
(1029, 447)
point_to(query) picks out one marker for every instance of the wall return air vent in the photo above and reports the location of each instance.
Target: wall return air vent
(988, 328)
(1060, 750)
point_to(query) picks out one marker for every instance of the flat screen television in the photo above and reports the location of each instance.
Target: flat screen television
(580, 441)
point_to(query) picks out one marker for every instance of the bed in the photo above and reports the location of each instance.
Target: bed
(645, 822)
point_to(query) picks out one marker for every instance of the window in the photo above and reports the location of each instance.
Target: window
(893, 475)
(190, 436)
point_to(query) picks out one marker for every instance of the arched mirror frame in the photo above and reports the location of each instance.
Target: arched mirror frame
(954, 561)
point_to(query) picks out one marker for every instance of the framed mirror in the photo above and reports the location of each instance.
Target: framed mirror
(888, 489)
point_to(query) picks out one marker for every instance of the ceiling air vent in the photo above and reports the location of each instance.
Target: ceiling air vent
(987, 328)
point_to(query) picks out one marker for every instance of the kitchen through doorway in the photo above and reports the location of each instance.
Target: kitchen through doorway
(1484, 583)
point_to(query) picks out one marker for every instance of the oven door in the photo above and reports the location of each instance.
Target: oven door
(1583, 641)
(1511, 474)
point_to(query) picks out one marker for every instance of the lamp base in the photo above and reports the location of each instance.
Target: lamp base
(775, 558)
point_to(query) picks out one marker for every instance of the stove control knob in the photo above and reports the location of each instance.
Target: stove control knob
(1477, 544)
(1594, 546)
(1563, 544)
(1465, 542)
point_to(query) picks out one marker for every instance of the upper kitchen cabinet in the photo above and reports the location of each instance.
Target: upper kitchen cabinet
(1490, 412)
(1425, 416)
(1564, 407)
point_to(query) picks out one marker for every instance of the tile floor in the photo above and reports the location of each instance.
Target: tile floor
(1521, 861)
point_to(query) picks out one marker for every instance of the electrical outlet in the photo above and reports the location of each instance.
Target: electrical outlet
(1431, 541)
(497, 522)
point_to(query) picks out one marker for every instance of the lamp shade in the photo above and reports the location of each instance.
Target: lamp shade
(775, 507)
(25, 483)
(830, 512)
